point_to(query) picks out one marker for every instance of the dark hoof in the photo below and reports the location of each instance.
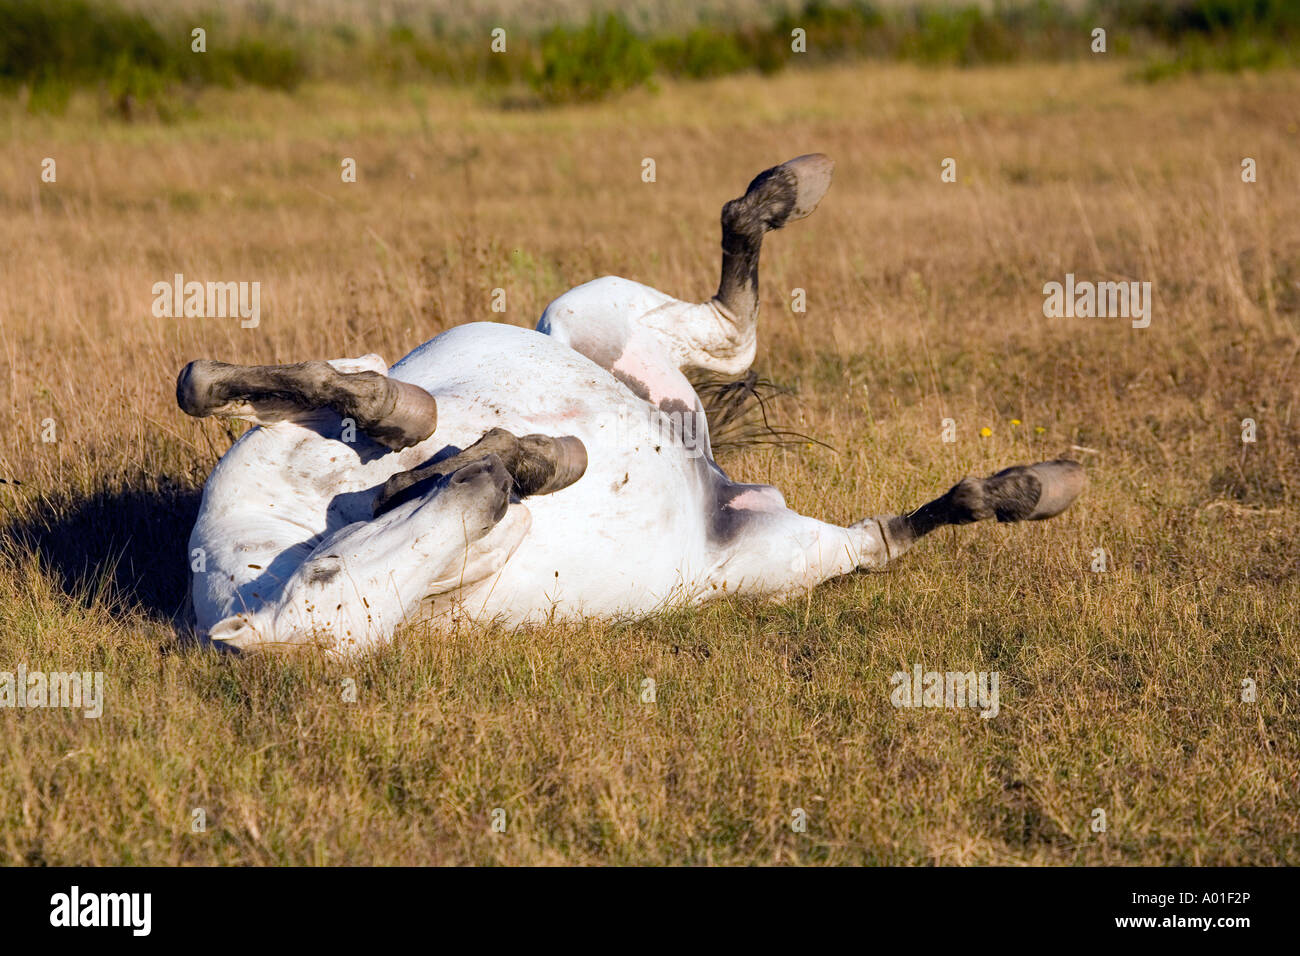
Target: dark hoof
(1034, 492)
(194, 387)
(1062, 482)
(781, 195)
(411, 419)
(549, 464)
(812, 176)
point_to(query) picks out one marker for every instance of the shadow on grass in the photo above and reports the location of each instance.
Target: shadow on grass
(128, 545)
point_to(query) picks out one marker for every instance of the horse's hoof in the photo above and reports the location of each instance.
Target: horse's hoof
(1034, 492)
(812, 177)
(779, 195)
(567, 455)
(411, 419)
(1062, 481)
(194, 387)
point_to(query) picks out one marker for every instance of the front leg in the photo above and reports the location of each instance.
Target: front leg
(394, 413)
(538, 465)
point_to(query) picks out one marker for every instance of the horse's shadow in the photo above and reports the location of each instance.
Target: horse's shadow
(127, 545)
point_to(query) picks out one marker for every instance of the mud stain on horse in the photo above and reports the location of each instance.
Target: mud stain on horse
(324, 569)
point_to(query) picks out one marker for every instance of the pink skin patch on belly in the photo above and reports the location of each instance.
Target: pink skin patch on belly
(758, 499)
(662, 382)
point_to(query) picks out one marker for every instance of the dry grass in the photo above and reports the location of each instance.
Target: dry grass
(1119, 690)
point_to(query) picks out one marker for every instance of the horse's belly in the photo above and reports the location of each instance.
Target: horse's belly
(629, 535)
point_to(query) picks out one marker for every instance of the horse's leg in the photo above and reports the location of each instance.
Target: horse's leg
(394, 413)
(1019, 493)
(647, 338)
(538, 465)
(357, 585)
(768, 549)
(776, 196)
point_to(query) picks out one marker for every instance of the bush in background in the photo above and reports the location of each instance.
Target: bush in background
(50, 47)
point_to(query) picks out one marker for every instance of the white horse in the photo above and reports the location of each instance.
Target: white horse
(570, 473)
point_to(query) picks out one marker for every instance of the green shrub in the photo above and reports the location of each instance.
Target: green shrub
(51, 47)
(603, 57)
(260, 63)
(74, 41)
(701, 53)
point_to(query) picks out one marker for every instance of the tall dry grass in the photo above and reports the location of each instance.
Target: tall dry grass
(1120, 691)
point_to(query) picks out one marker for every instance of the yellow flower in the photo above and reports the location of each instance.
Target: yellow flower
(1015, 421)
(985, 432)
(1039, 429)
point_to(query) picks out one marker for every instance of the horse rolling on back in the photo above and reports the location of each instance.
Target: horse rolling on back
(505, 474)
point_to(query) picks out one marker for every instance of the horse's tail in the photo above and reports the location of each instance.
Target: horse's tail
(745, 411)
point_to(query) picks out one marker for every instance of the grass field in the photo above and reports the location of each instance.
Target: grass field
(1121, 690)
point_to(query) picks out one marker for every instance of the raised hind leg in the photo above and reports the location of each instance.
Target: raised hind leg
(648, 339)
(777, 196)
